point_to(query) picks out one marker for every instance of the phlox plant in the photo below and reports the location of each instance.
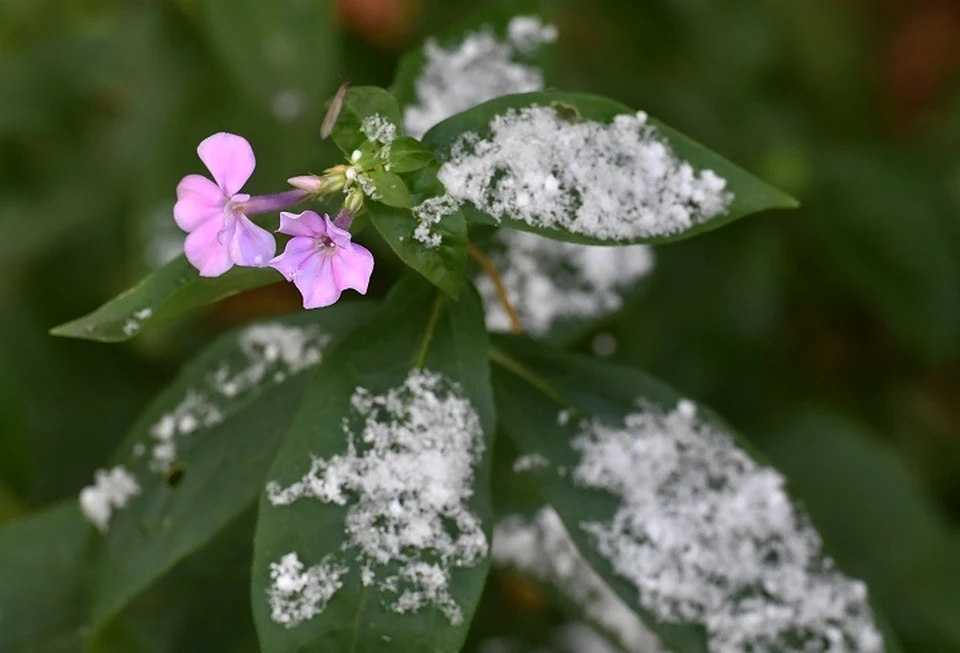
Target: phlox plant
(394, 450)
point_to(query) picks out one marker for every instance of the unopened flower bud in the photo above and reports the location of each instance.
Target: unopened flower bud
(354, 201)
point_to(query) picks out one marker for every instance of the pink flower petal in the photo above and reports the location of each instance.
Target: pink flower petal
(251, 245)
(230, 160)
(308, 223)
(198, 200)
(340, 236)
(295, 256)
(352, 267)
(316, 283)
(204, 251)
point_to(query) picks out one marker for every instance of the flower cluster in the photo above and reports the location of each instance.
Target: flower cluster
(319, 259)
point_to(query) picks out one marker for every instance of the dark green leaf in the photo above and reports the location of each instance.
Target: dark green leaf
(533, 384)
(170, 291)
(407, 154)
(42, 580)
(391, 190)
(283, 54)
(418, 327)
(879, 523)
(362, 102)
(751, 195)
(224, 416)
(444, 264)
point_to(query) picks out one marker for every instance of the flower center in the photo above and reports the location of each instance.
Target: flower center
(325, 245)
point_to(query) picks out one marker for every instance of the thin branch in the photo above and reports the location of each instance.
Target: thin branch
(491, 271)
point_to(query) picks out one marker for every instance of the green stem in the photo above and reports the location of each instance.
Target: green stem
(431, 328)
(499, 357)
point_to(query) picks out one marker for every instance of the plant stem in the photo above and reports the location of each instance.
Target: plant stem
(491, 271)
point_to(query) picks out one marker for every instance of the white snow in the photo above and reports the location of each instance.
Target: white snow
(549, 281)
(479, 68)
(430, 213)
(708, 535)
(614, 182)
(530, 462)
(270, 353)
(378, 129)
(541, 547)
(297, 593)
(407, 476)
(111, 491)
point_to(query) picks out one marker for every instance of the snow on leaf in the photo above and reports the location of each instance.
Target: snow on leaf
(708, 535)
(378, 129)
(298, 593)
(407, 474)
(479, 68)
(112, 490)
(541, 547)
(271, 353)
(549, 281)
(431, 212)
(616, 181)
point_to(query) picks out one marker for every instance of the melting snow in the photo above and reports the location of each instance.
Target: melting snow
(707, 535)
(479, 68)
(542, 548)
(407, 475)
(111, 491)
(271, 352)
(616, 181)
(136, 320)
(549, 281)
(296, 593)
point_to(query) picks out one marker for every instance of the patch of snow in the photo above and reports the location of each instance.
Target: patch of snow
(378, 129)
(614, 182)
(549, 281)
(430, 213)
(407, 476)
(529, 462)
(707, 535)
(298, 593)
(541, 547)
(479, 68)
(111, 491)
(271, 352)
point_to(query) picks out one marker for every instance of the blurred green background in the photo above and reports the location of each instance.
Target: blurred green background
(829, 335)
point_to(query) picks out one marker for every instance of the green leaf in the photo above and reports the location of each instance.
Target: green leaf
(878, 521)
(750, 194)
(443, 261)
(407, 154)
(224, 417)
(42, 580)
(282, 54)
(362, 102)
(391, 190)
(418, 327)
(167, 292)
(533, 384)
(426, 98)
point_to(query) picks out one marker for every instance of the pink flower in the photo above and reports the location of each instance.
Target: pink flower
(321, 260)
(219, 234)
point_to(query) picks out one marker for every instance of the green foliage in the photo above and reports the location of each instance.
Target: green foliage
(226, 413)
(847, 306)
(751, 194)
(166, 293)
(416, 328)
